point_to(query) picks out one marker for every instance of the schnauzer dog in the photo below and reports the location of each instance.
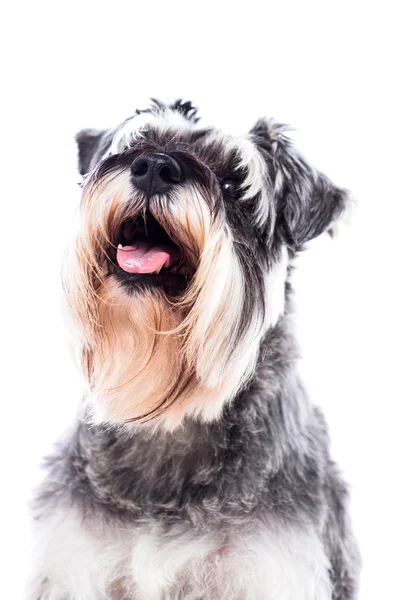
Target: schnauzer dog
(197, 469)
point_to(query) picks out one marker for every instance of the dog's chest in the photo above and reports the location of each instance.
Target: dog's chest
(150, 563)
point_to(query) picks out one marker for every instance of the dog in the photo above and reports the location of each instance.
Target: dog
(197, 468)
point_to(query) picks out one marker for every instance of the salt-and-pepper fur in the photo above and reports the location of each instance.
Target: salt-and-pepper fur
(225, 491)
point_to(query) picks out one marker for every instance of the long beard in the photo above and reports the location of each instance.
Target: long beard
(147, 356)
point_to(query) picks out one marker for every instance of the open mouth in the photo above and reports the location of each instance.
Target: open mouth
(146, 253)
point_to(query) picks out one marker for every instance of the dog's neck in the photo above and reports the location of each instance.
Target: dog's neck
(140, 470)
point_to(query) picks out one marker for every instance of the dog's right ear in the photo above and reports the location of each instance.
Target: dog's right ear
(89, 143)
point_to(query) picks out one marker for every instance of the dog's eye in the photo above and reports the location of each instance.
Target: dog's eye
(229, 186)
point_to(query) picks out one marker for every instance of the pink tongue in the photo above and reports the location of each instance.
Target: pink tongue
(143, 258)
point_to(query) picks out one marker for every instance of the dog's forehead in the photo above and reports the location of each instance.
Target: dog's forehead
(172, 125)
(135, 127)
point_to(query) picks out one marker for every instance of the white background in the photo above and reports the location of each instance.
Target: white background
(330, 70)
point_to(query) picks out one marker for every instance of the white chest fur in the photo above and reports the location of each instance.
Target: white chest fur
(147, 563)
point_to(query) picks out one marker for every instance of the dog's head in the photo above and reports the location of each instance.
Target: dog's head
(179, 266)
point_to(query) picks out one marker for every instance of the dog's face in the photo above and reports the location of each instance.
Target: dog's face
(179, 266)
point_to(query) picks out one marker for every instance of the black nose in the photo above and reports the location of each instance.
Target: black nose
(156, 173)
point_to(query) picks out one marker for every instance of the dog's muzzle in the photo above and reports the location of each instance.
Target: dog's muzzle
(145, 247)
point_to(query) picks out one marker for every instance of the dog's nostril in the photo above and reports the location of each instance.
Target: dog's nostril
(171, 173)
(140, 167)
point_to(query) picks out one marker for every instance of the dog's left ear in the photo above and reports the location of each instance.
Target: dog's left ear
(89, 142)
(307, 202)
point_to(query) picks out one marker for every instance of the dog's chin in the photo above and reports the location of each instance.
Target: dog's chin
(146, 256)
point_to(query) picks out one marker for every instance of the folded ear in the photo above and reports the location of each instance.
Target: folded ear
(307, 202)
(90, 142)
